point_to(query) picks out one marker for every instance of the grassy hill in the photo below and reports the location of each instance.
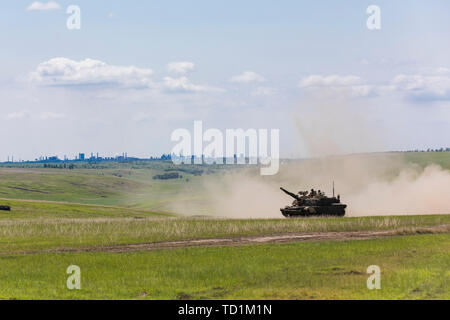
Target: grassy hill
(132, 185)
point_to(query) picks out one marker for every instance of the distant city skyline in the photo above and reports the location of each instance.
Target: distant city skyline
(83, 156)
(167, 156)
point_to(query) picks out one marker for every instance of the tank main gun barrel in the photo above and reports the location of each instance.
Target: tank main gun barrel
(296, 197)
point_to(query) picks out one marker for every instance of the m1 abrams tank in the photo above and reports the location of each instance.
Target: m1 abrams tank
(313, 203)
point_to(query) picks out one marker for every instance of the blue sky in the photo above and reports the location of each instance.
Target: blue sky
(291, 65)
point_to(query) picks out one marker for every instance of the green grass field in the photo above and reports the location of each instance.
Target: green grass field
(47, 226)
(415, 267)
(118, 204)
(130, 188)
(24, 210)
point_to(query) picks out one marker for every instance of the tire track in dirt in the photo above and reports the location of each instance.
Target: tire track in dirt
(243, 241)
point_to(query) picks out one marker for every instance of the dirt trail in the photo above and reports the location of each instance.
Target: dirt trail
(242, 241)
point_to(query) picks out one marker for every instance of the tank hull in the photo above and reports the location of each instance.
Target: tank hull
(314, 211)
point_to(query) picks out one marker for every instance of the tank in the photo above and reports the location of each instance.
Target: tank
(313, 203)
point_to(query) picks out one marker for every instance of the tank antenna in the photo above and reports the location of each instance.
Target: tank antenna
(333, 188)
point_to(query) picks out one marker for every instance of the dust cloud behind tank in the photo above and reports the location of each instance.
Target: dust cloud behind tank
(313, 203)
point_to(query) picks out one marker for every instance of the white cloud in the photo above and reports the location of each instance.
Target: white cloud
(365, 62)
(356, 91)
(443, 70)
(328, 81)
(264, 91)
(183, 84)
(181, 67)
(431, 85)
(63, 71)
(17, 115)
(247, 77)
(51, 116)
(340, 85)
(43, 6)
(24, 114)
(95, 73)
(435, 85)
